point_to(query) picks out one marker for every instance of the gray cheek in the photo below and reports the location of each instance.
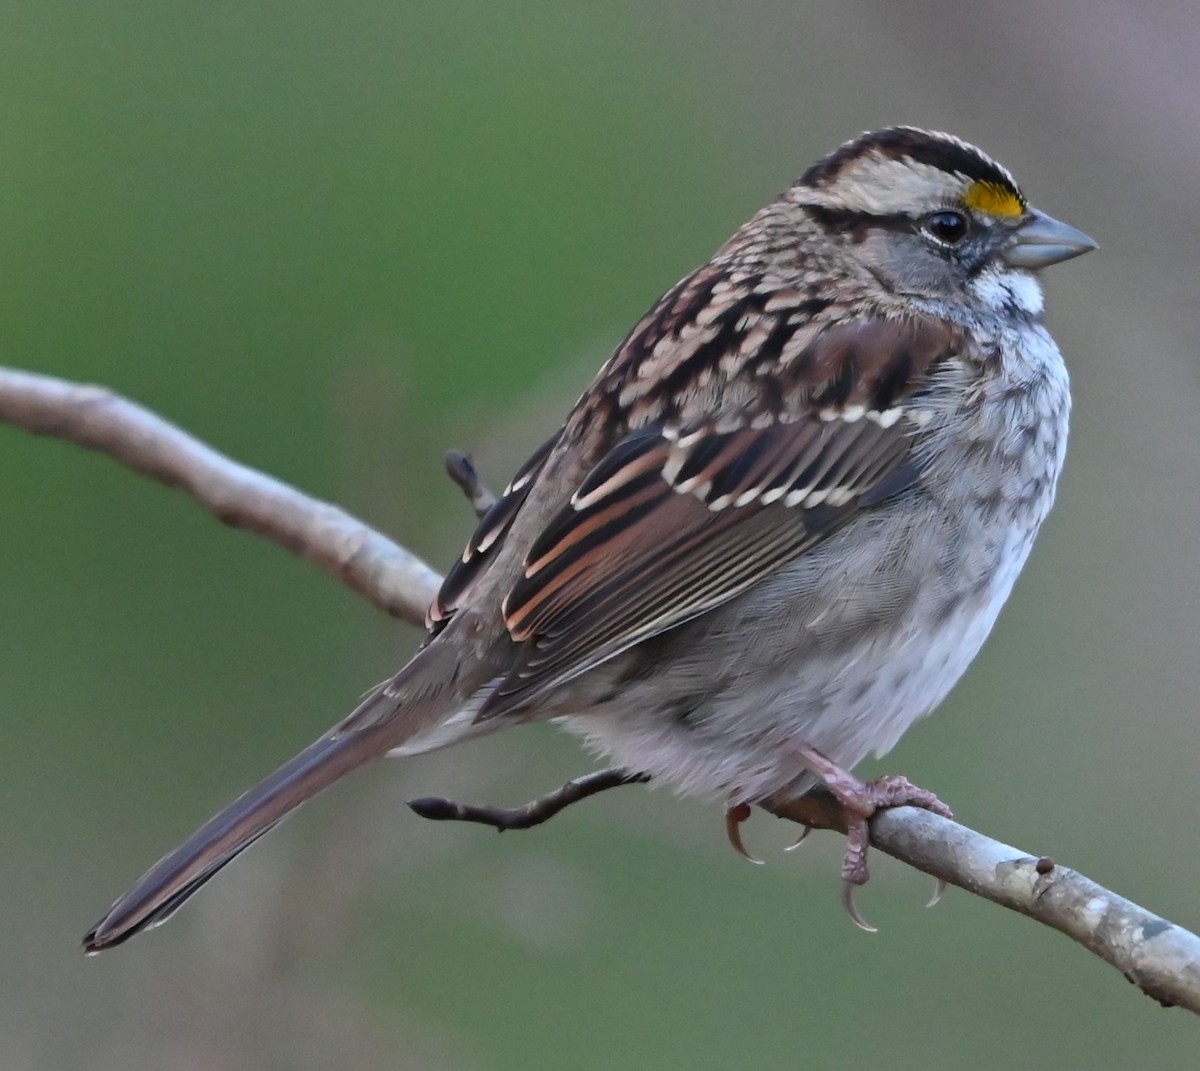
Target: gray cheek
(907, 264)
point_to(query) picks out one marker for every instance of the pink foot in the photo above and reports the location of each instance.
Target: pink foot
(860, 800)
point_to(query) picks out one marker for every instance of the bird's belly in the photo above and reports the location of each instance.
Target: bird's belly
(843, 660)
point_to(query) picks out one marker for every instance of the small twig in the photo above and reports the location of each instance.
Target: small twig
(533, 813)
(462, 471)
(390, 577)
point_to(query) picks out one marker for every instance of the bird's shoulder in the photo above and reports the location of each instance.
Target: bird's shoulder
(736, 365)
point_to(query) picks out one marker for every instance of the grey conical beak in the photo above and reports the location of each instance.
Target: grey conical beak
(1043, 240)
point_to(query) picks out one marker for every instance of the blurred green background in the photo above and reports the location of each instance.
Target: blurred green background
(336, 239)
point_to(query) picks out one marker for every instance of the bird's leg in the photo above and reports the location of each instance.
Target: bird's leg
(860, 800)
(533, 813)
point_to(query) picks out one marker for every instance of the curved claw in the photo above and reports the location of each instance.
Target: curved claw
(939, 890)
(799, 840)
(734, 817)
(852, 908)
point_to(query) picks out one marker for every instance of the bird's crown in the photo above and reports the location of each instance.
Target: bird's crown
(903, 170)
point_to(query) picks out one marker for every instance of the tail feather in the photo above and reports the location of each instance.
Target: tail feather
(401, 711)
(175, 877)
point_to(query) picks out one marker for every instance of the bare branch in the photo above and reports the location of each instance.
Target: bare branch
(1159, 957)
(384, 573)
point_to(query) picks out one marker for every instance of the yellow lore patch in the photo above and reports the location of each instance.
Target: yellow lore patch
(993, 199)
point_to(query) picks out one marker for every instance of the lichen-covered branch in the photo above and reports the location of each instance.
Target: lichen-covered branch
(1161, 958)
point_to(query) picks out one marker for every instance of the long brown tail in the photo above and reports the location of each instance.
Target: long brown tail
(418, 697)
(167, 884)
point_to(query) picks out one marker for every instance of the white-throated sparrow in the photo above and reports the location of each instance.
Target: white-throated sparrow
(775, 529)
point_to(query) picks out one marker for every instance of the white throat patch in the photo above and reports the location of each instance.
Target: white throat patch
(1002, 288)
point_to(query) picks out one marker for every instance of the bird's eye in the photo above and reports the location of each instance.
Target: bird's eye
(948, 227)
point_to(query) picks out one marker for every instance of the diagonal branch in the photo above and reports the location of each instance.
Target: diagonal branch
(1162, 959)
(366, 561)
